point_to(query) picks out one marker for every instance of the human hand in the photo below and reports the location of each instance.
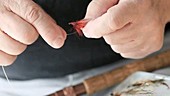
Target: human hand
(22, 21)
(133, 28)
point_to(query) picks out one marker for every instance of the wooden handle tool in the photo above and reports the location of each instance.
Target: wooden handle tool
(108, 79)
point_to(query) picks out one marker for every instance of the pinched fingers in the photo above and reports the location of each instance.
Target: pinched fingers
(144, 35)
(21, 23)
(42, 22)
(114, 19)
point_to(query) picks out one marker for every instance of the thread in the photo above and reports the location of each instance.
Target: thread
(6, 77)
(71, 33)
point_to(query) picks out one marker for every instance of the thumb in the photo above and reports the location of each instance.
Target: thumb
(43, 23)
(98, 7)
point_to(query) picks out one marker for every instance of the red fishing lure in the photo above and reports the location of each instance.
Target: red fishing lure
(79, 25)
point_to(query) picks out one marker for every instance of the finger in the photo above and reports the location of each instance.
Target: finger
(122, 36)
(116, 18)
(145, 49)
(17, 28)
(98, 7)
(44, 24)
(10, 46)
(132, 46)
(134, 55)
(6, 59)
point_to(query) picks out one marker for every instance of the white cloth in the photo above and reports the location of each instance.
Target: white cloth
(43, 87)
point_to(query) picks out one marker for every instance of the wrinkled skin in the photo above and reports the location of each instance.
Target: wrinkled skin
(22, 21)
(133, 28)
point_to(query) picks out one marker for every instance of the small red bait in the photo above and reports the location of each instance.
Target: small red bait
(79, 25)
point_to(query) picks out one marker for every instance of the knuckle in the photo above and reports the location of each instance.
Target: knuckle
(158, 47)
(158, 43)
(11, 60)
(109, 40)
(133, 55)
(29, 37)
(7, 60)
(145, 51)
(117, 49)
(16, 51)
(114, 23)
(126, 55)
(19, 50)
(33, 13)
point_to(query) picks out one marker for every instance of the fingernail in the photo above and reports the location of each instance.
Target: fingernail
(58, 42)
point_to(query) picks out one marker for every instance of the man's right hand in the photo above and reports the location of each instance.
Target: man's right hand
(22, 21)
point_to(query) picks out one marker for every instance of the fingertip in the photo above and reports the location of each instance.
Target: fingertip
(87, 30)
(91, 29)
(60, 40)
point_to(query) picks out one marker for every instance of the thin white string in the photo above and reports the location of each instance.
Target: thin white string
(6, 76)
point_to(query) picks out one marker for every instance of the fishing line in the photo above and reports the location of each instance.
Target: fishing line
(76, 25)
(6, 76)
(71, 33)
